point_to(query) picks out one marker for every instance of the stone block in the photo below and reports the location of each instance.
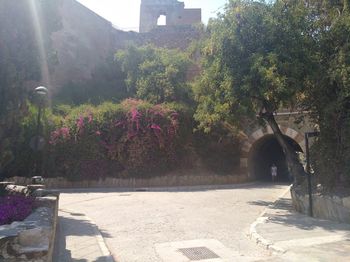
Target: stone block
(326, 207)
(38, 238)
(337, 200)
(17, 190)
(346, 202)
(291, 133)
(32, 239)
(244, 162)
(318, 207)
(258, 134)
(269, 130)
(246, 146)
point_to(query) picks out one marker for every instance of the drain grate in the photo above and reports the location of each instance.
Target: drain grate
(198, 253)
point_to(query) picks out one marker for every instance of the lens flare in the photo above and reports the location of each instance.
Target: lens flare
(38, 25)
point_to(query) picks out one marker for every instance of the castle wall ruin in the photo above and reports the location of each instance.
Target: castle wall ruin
(175, 12)
(87, 40)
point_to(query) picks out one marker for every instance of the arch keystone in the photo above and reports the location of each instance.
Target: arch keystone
(258, 134)
(246, 146)
(244, 162)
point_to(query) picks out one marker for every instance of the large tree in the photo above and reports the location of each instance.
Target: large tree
(258, 58)
(156, 74)
(329, 98)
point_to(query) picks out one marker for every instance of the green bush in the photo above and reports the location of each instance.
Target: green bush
(135, 137)
(219, 150)
(129, 139)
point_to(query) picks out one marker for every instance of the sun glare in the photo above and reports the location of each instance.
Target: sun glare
(38, 27)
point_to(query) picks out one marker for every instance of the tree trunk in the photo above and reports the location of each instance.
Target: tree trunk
(346, 5)
(294, 166)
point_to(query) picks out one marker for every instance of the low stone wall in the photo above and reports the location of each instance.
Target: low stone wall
(162, 181)
(324, 206)
(32, 239)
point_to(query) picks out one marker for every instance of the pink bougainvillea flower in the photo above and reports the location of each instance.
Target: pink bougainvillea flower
(171, 131)
(131, 134)
(55, 134)
(54, 137)
(159, 113)
(65, 132)
(80, 122)
(62, 133)
(174, 115)
(135, 114)
(90, 118)
(135, 118)
(98, 133)
(156, 127)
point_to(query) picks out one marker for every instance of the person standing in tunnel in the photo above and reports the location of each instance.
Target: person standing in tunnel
(274, 172)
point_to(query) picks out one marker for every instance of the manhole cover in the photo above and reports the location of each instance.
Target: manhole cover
(198, 253)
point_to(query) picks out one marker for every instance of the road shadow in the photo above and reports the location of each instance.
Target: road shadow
(282, 212)
(281, 204)
(307, 223)
(74, 224)
(100, 259)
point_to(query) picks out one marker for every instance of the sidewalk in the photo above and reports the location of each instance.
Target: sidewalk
(296, 237)
(78, 240)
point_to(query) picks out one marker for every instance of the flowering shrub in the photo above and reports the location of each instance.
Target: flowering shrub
(15, 208)
(131, 138)
(137, 138)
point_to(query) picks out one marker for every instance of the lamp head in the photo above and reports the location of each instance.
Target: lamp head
(41, 90)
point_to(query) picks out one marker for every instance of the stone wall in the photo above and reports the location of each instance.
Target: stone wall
(173, 37)
(32, 239)
(86, 41)
(175, 12)
(134, 183)
(324, 206)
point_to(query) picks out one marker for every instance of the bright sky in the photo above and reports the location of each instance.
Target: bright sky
(125, 14)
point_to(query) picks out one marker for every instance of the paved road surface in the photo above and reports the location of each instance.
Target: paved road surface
(159, 225)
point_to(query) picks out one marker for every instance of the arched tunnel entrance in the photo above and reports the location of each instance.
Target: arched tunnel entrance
(264, 153)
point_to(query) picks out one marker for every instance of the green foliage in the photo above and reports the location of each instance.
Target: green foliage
(219, 150)
(260, 57)
(330, 96)
(107, 83)
(154, 74)
(127, 139)
(255, 59)
(132, 138)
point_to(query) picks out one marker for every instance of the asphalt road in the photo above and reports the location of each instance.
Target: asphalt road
(154, 225)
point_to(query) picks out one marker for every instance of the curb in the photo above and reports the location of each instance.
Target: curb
(101, 242)
(259, 239)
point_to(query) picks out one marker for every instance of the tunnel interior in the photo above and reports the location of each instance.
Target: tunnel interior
(266, 152)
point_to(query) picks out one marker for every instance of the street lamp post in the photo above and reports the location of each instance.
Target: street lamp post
(308, 168)
(41, 96)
